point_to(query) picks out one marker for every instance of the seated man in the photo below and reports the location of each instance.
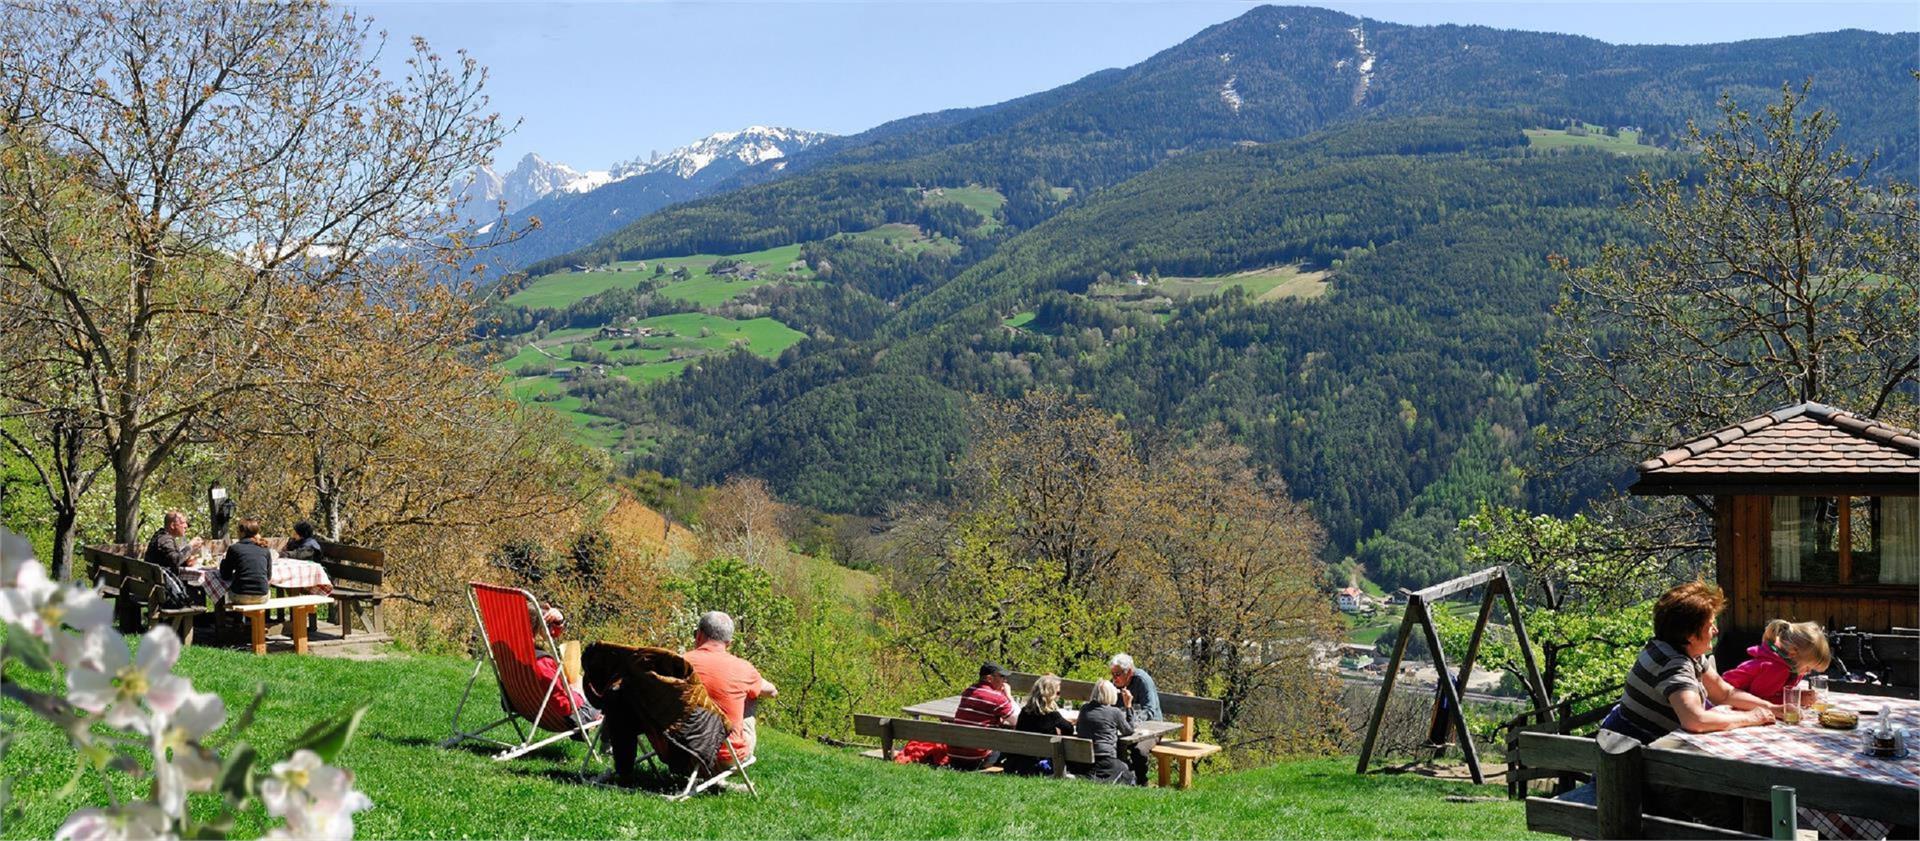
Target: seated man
(984, 704)
(169, 547)
(303, 546)
(1140, 697)
(732, 682)
(247, 566)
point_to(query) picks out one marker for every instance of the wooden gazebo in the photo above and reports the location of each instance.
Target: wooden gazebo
(1816, 516)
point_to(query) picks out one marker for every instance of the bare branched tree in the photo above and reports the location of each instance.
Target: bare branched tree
(247, 172)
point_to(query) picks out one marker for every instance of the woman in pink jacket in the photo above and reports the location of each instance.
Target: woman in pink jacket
(1788, 651)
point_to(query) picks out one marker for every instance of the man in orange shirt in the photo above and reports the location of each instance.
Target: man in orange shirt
(732, 682)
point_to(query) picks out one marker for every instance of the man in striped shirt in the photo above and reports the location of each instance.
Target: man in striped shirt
(1674, 685)
(984, 704)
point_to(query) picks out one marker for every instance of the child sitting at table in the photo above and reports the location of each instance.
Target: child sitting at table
(1788, 651)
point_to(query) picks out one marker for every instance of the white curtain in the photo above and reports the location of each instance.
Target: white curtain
(1786, 538)
(1899, 539)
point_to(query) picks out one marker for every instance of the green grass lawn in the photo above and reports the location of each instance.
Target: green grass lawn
(1627, 143)
(559, 289)
(807, 790)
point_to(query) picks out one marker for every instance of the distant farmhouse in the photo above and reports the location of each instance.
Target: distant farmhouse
(1354, 600)
(612, 332)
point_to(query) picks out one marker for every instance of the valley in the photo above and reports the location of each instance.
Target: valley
(1346, 267)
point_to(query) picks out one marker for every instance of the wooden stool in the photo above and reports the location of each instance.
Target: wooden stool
(1186, 753)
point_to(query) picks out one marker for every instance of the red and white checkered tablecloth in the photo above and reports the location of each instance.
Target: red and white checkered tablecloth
(288, 574)
(1810, 747)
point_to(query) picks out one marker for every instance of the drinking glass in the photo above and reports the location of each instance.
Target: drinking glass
(1790, 709)
(1817, 692)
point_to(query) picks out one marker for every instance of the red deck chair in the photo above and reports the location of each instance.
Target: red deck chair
(505, 617)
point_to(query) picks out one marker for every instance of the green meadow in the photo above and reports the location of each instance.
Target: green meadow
(805, 789)
(1266, 284)
(1627, 143)
(559, 289)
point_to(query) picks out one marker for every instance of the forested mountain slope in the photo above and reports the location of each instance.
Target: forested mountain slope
(1436, 233)
(1328, 236)
(1271, 74)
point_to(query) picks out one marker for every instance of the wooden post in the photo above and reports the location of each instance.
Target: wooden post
(1542, 701)
(1186, 728)
(1059, 758)
(1618, 784)
(1437, 730)
(1386, 682)
(1450, 696)
(257, 620)
(886, 739)
(1785, 820)
(297, 627)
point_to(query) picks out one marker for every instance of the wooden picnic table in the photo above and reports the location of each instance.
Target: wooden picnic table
(945, 708)
(303, 577)
(1811, 747)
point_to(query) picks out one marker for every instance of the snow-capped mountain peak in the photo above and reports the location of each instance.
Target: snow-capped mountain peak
(529, 181)
(748, 146)
(534, 178)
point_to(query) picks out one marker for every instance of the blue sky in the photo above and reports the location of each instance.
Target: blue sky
(596, 83)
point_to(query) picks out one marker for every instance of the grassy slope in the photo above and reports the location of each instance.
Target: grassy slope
(1269, 284)
(562, 288)
(1625, 144)
(909, 238)
(807, 790)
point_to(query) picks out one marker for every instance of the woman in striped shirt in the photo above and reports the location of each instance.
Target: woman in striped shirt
(1674, 685)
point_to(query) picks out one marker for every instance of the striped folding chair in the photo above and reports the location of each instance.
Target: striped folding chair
(505, 618)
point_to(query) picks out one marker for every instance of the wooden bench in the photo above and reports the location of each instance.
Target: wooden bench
(1062, 750)
(1622, 781)
(357, 574)
(300, 608)
(138, 591)
(1185, 751)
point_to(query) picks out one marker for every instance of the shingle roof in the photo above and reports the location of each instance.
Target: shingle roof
(1809, 442)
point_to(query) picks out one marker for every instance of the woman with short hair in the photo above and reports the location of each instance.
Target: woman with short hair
(1674, 685)
(1104, 724)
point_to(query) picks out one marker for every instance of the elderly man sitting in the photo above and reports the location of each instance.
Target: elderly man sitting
(733, 683)
(1140, 698)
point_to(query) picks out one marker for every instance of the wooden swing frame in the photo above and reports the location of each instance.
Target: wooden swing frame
(1447, 712)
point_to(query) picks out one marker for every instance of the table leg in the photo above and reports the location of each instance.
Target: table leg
(257, 620)
(299, 628)
(1163, 769)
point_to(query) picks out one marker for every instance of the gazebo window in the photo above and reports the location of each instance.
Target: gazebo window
(1853, 540)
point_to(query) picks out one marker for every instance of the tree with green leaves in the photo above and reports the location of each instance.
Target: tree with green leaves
(1782, 272)
(1584, 586)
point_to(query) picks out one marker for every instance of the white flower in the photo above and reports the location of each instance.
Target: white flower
(181, 765)
(100, 679)
(41, 605)
(135, 821)
(318, 800)
(15, 553)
